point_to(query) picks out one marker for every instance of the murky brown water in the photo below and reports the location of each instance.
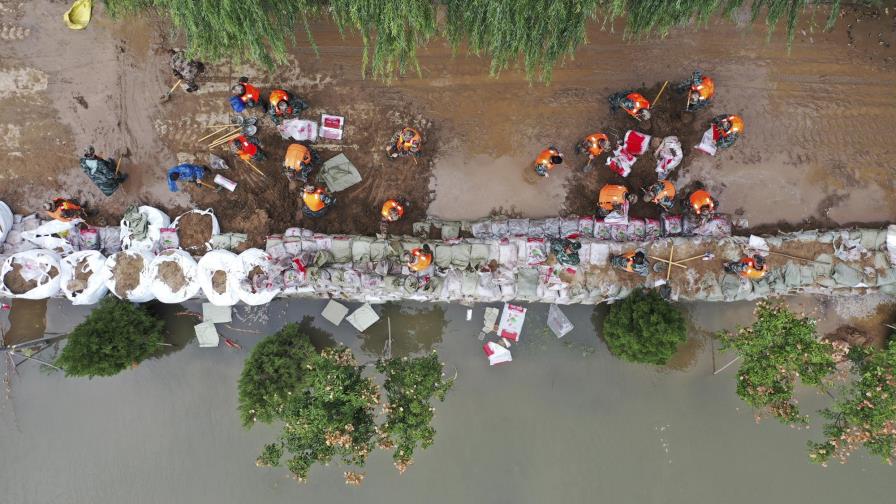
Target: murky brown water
(564, 422)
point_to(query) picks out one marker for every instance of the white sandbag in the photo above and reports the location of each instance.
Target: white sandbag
(139, 293)
(216, 229)
(76, 290)
(707, 143)
(891, 243)
(231, 265)
(6, 220)
(44, 237)
(41, 266)
(157, 220)
(264, 289)
(165, 292)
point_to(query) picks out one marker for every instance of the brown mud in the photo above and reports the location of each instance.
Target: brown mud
(18, 285)
(194, 231)
(82, 275)
(126, 272)
(172, 274)
(219, 281)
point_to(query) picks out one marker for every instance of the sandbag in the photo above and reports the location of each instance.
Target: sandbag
(209, 264)
(216, 230)
(263, 285)
(82, 277)
(33, 274)
(6, 221)
(166, 284)
(157, 220)
(134, 283)
(45, 236)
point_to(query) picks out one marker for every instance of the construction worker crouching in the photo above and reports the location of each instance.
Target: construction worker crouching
(726, 129)
(406, 142)
(64, 210)
(244, 95)
(702, 203)
(631, 262)
(613, 198)
(700, 89)
(419, 258)
(316, 201)
(246, 148)
(662, 193)
(282, 106)
(299, 162)
(102, 172)
(392, 210)
(184, 173)
(547, 160)
(749, 268)
(594, 144)
(634, 104)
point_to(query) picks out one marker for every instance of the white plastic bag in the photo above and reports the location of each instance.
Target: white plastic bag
(216, 229)
(166, 293)
(707, 143)
(95, 287)
(260, 292)
(37, 265)
(43, 236)
(157, 220)
(6, 220)
(298, 129)
(141, 292)
(231, 265)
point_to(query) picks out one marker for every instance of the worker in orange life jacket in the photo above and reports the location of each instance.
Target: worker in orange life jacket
(547, 160)
(246, 148)
(702, 203)
(299, 162)
(662, 193)
(594, 144)
(700, 89)
(749, 268)
(244, 95)
(634, 104)
(316, 201)
(632, 262)
(726, 129)
(282, 106)
(406, 142)
(419, 258)
(64, 210)
(613, 198)
(392, 210)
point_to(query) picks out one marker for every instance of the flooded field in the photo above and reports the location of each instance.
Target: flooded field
(564, 422)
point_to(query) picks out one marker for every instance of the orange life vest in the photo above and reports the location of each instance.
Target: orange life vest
(750, 271)
(706, 89)
(699, 199)
(668, 192)
(639, 103)
(244, 148)
(297, 155)
(420, 260)
(629, 261)
(611, 195)
(409, 140)
(276, 97)
(544, 158)
(251, 93)
(388, 206)
(593, 141)
(313, 199)
(737, 126)
(64, 210)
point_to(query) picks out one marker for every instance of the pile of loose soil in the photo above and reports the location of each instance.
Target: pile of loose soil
(127, 273)
(17, 284)
(219, 281)
(172, 275)
(194, 230)
(667, 118)
(82, 275)
(254, 272)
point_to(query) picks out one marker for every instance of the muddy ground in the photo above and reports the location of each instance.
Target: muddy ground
(816, 149)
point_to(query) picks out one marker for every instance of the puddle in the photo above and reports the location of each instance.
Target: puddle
(27, 321)
(415, 329)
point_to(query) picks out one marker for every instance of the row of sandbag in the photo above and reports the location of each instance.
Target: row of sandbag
(84, 277)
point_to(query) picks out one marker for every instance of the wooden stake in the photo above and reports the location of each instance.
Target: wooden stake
(206, 184)
(229, 133)
(666, 261)
(688, 106)
(660, 93)
(253, 166)
(175, 86)
(672, 248)
(117, 164)
(220, 125)
(220, 130)
(224, 140)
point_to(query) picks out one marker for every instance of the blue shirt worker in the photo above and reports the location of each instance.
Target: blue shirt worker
(184, 172)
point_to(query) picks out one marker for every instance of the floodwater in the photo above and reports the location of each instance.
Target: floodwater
(564, 422)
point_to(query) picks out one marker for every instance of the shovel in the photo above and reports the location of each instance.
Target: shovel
(167, 96)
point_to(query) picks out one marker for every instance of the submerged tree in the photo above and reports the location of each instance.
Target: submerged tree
(644, 327)
(865, 413)
(778, 349)
(116, 335)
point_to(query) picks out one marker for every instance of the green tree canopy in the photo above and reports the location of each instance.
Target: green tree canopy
(644, 327)
(272, 372)
(116, 335)
(779, 348)
(865, 412)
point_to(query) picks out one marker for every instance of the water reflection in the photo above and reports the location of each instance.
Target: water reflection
(27, 321)
(415, 329)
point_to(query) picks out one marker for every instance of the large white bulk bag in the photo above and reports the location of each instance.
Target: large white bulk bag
(260, 292)
(216, 229)
(39, 266)
(140, 292)
(157, 220)
(6, 220)
(80, 290)
(231, 265)
(171, 260)
(43, 236)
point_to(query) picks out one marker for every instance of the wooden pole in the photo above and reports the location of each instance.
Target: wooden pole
(174, 86)
(117, 164)
(206, 184)
(672, 248)
(237, 131)
(726, 365)
(220, 130)
(222, 141)
(666, 261)
(688, 106)
(253, 166)
(660, 93)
